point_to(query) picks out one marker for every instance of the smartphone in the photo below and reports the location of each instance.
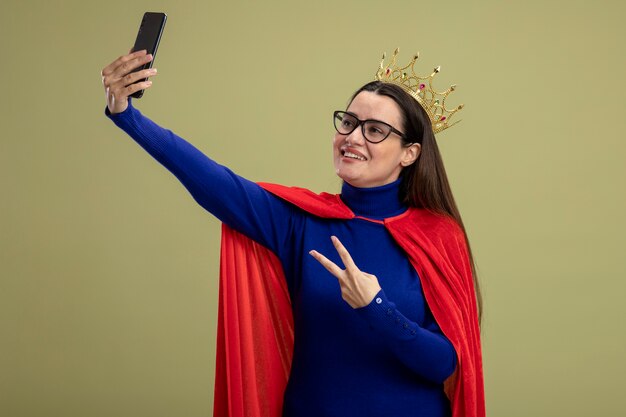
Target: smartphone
(148, 38)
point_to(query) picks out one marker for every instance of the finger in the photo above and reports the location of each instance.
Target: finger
(344, 254)
(133, 77)
(327, 263)
(128, 66)
(126, 70)
(123, 93)
(112, 74)
(121, 60)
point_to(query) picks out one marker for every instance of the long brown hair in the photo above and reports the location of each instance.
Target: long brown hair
(424, 183)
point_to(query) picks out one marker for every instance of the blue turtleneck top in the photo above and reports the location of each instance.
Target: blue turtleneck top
(388, 358)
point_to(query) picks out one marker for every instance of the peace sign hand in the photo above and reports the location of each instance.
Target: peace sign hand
(358, 288)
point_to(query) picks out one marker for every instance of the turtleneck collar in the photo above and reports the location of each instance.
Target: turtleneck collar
(376, 202)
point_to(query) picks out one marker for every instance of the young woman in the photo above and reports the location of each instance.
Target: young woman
(382, 300)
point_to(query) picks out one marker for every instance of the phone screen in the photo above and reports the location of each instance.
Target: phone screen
(148, 38)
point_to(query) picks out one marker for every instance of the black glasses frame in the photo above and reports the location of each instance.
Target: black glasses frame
(339, 113)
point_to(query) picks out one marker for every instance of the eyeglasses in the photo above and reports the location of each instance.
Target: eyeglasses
(374, 131)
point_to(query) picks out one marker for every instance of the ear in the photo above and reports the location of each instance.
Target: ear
(410, 155)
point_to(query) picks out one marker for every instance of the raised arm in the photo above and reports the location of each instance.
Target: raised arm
(240, 203)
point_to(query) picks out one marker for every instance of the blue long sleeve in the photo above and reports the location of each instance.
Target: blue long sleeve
(416, 346)
(236, 201)
(384, 359)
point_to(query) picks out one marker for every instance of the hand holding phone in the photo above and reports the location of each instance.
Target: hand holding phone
(148, 38)
(127, 76)
(120, 81)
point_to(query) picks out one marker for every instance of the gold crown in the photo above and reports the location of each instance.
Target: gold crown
(434, 102)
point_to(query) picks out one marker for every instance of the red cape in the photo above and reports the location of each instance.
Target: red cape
(255, 323)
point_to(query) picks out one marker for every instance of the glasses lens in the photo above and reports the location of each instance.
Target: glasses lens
(345, 123)
(376, 131)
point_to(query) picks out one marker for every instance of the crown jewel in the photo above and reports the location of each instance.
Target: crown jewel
(421, 89)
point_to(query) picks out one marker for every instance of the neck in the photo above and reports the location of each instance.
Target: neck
(375, 202)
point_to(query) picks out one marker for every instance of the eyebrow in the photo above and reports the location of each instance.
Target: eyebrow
(370, 120)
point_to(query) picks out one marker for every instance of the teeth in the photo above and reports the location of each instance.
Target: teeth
(354, 156)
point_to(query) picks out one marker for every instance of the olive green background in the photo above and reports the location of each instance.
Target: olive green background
(109, 268)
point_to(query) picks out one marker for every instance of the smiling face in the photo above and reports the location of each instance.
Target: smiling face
(363, 164)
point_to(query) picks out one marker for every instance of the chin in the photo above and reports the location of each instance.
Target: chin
(355, 182)
(365, 183)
